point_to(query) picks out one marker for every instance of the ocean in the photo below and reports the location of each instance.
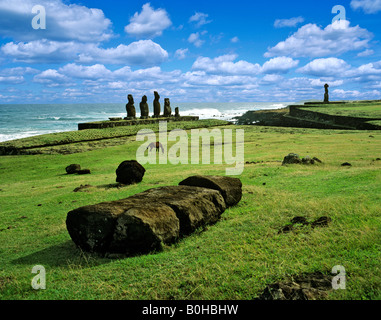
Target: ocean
(25, 120)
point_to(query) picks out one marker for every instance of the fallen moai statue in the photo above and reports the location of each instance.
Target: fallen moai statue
(141, 223)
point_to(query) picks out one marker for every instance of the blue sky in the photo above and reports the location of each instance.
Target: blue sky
(189, 51)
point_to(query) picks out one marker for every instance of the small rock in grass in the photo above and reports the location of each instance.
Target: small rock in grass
(321, 222)
(285, 229)
(301, 220)
(83, 171)
(346, 164)
(73, 168)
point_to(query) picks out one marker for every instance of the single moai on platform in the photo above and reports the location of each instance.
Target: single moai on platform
(156, 105)
(177, 112)
(130, 108)
(144, 109)
(326, 95)
(167, 108)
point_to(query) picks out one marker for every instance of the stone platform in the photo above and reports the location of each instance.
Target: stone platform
(118, 122)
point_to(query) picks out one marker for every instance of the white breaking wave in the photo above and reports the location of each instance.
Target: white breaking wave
(45, 119)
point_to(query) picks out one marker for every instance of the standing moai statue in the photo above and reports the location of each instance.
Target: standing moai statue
(156, 105)
(326, 95)
(130, 108)
(144, 109)
(177, 113)
(167, 108)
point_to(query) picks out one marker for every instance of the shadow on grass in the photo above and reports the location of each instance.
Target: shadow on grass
(61, 255)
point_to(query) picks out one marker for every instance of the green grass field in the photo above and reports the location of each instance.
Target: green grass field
(354, 109)
(233, 259)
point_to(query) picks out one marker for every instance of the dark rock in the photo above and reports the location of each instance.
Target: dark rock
(83, 171)
(321, 222)
(130, 172)
(230, 188)
(308, 160)
(177, 112)
(317, 160)
(73, 168)
(287, 228)
(346, 164)
(378, 159)
(301, 220)
(313, 286)
(156, 105)
(291, 158)
(85, 187)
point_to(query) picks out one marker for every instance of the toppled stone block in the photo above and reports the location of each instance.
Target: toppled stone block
(195, 207)
(122, 226)
(230, 188)
(142, 222)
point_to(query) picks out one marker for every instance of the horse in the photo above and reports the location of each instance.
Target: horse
(156, 145)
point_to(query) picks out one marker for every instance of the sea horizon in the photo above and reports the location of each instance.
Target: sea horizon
(25, 120)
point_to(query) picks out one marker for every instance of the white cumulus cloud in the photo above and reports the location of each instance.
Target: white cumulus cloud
(225, 65)
(63, 22)
(312, 41)
(325, 67)
(279, 65)
(200, 19)
(368, 6)
(149, 23)
(292, 22)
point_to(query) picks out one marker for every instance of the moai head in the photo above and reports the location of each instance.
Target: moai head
(130, 99)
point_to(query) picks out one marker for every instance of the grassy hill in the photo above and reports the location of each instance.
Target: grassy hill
(233, 259)
(357, 115)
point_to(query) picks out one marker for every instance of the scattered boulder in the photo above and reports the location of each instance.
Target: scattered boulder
(313, 286)
(129, 172)
(308, 160)
(346, 164)
(83, 171)
(286, 228)
(85, 187)
(230, 188)
(73, 168)
(143, 222)
(299, 222)
(321, 222)
(291, 158)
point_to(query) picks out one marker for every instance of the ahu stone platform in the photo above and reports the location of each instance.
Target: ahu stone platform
(118, 122)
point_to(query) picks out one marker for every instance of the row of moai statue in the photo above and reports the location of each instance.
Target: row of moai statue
(144, 109)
